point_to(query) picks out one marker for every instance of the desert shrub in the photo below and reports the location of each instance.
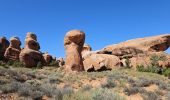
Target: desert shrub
(142, 82)
(150, 96)
(86, 88)
(2, 63)
(131, 90)
(54, 63)
(150, 68)
(10, 88)
(16, 63)
(128, 63)
(54, 80)
(109, 83)
(68, 91)
(167, 72)
(39, 65)
(106, 94)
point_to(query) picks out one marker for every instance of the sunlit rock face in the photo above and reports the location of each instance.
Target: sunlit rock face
(4, 44)
(139, 46)
(30, 55)
(73, 43)
(13, 51)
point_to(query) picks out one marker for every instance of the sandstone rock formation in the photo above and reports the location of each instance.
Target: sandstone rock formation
(30, 55)
(4, 44)
(100, 62)
(86, 48)
(61, 61)
(138, 46)
(73, 43)
(13, 51)
(48, 58)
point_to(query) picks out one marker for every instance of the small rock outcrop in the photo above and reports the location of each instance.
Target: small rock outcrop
(73, 43)
(30, 55)
(61, 62)
(100, 62)
(4, 44)
(48, 58)
(86, 48)
(139, 46)
(13, 51)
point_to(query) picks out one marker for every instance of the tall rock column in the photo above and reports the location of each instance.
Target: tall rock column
(73, 43)
(30, 55)
(13, 51)
(4, 44)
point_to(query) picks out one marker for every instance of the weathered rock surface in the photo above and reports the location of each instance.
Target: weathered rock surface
(61, 62)
(13, 51)
(48, 58)
(86, 48)
(138, 46)
(162, 59)
(73, 43)
(100, 62)
(30, 55)
(4, 44)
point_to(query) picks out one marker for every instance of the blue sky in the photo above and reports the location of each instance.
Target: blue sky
(105, 22)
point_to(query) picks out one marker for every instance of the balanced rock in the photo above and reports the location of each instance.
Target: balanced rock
(73, 43)
(138, 46)
(48, 58)
(30, 55)
(13, 51)
(100, 62)
(4, 44)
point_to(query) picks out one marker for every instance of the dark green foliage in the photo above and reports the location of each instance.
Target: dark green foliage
(152, 69)
(39, 65)
(54, 63)
(167, 72)
(16, 63)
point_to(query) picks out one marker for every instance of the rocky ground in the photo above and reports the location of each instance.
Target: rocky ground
(52, 83)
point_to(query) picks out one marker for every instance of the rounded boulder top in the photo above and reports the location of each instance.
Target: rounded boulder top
(14, 38)
(31, 35)
(75, 36)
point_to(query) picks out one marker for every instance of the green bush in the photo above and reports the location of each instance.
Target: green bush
(39, 65)
(167, 72)
(16, 63)
(151, 68)
(54, 63)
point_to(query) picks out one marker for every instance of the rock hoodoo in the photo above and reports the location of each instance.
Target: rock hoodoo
(13, 51)
(30, 55)
(73, 43)
(4, 44)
